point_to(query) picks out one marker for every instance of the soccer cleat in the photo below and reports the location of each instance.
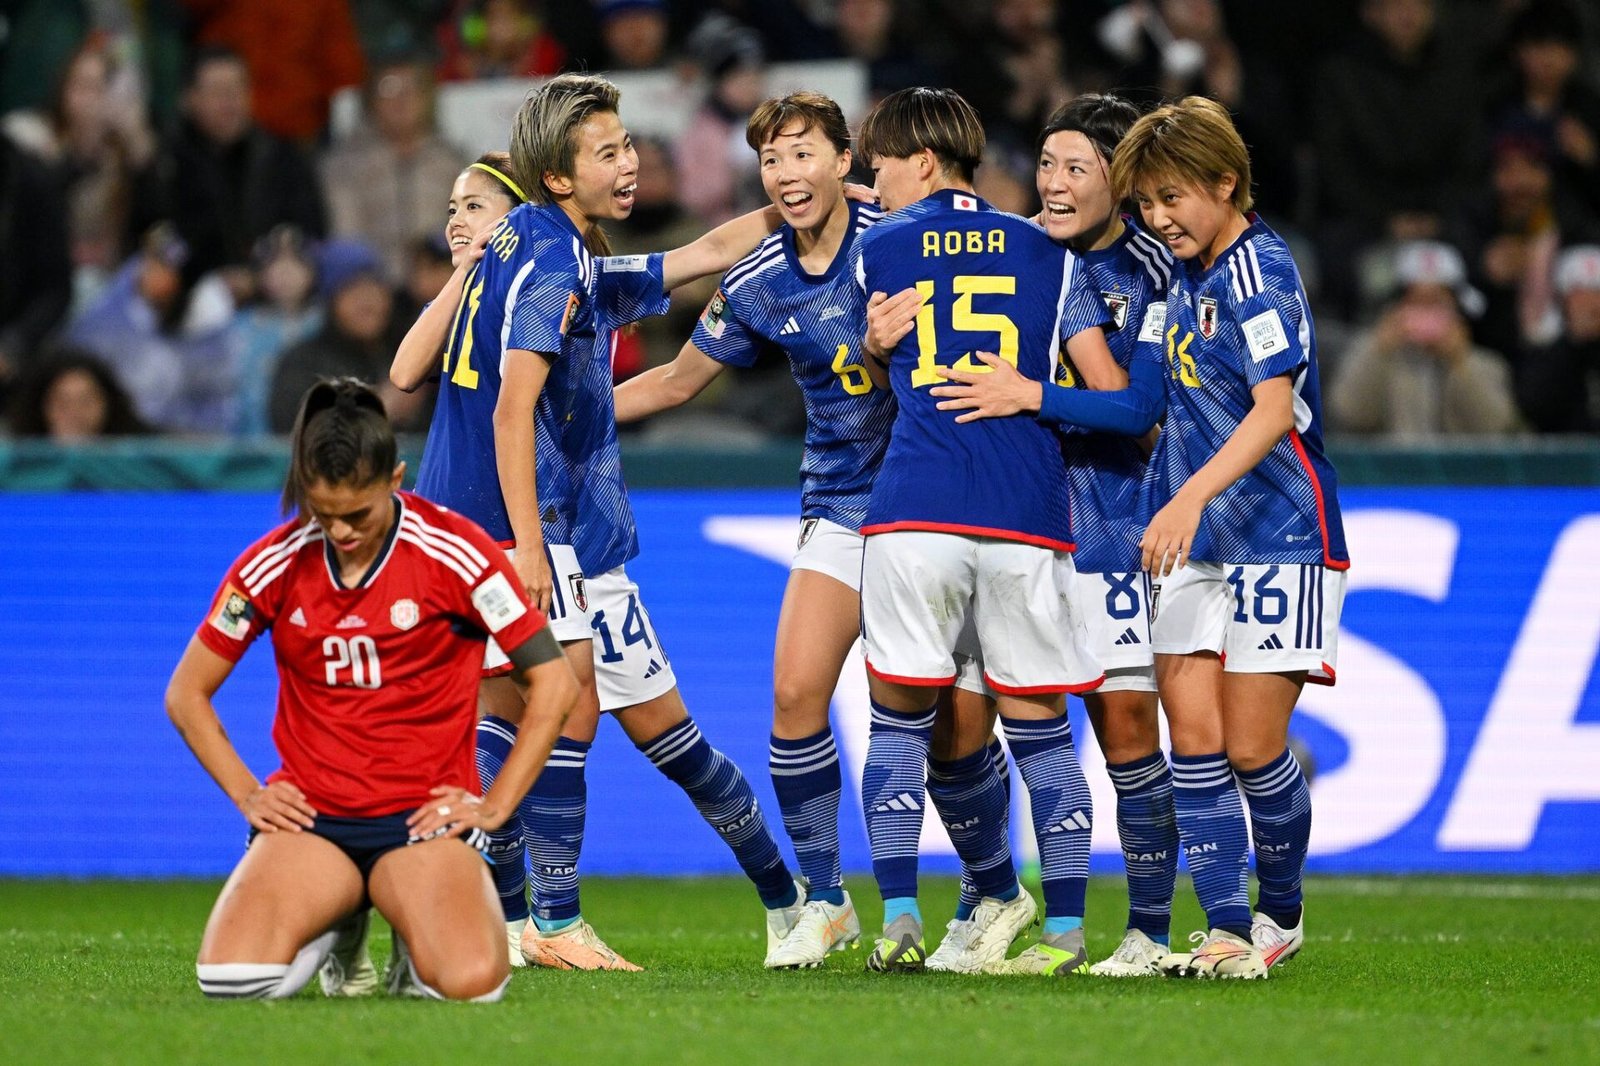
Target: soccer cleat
(1136, 956)
(348, 969)
(1277, 944)
(514, 942)
(899, 949)
(1219, 954)
(955, 946)
(573, 947)
(399, 980)
(822, 928)
(782, 920)
(994, 925)
(1061, 955)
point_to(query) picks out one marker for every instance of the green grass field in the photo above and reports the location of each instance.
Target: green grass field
(1395, 970)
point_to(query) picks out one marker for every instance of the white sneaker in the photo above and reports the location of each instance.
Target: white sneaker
(1219, 954)
(822, 928)
(995, 924)
(514, 942)
(348, 969)
(1136, 956)
(1277, 944)
(782, 920)
(953, 949)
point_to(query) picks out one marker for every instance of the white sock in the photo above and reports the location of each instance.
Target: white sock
(264, 980)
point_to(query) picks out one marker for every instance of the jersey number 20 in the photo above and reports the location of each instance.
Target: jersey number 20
(359, 655)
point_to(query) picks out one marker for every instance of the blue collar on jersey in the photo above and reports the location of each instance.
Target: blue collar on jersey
(1197, 273)
(959, 200)
(840, 258)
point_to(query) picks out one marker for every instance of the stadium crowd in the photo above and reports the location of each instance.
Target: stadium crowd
(185, 243)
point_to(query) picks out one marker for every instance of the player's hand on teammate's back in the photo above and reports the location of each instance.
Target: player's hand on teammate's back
(534, 573)
(889, 318)
(451, 812)
(278, 806)
(999, 392)
(1167, 540)
(861, 194)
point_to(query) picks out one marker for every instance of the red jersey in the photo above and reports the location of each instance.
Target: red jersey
(377, 684)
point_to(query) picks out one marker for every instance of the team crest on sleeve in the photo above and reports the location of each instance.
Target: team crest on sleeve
(573, 303)
(234, 613)
(808, 526)
(497, 602)
(1207, 316)
(1117, 304)
(580, 595)
(403, 614)
(715, 317)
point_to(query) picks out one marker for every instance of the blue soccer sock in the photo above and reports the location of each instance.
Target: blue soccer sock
(1280, 822)
(553, 815)
(893, 792)
(1063, 812)
(1148, 829)
(971, 802)
(507, 849)
(1215, 840)
(724, 799)
(806, 778)
(967, 901)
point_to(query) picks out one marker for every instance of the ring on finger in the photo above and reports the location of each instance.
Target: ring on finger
(444, 810)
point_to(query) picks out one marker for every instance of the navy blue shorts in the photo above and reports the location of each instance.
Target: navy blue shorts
(366, 840)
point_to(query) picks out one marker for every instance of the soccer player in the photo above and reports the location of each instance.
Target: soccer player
(1131, 270)
(524, 441)
(968, 528)
(378, 603)
(794, 293)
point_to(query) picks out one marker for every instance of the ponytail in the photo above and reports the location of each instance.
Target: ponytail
(341, 436)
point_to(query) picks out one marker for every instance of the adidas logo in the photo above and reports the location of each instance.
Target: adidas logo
(298, 618)
(903, 802)
(789, 327)
(1128, 637)
(1272, 643)
(1071, 823)
(653, 670)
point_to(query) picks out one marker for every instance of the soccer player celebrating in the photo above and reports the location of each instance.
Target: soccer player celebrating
(378, 603)
(969, 528)
(795, 292)
(524, 441)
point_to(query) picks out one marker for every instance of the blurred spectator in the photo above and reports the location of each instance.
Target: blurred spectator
(222, 179)
(1550, 100)
(428, 270)
(298, 54)
(1173, 48)
(35, 268)
(788, 28)
(1558, 385)
(1416, 374)
(95, 139)
(72, 397)
(498, 39)
(40, 37)
(717, 170)
(286, 313)
(1012, 71)
(634, 33)
(166, 340)
(1397, 136)
(869, 31)
(382, 182)
(357, 339)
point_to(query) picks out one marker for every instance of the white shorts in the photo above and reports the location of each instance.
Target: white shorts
(1261, 618)
(829, 548)
(919, 589)
(1115, 609)
(568, 613)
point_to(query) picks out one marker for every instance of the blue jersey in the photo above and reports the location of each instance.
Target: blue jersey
(1105, 470)
(768, 299)
(1228, 329)
(990, 282)
(537, 289)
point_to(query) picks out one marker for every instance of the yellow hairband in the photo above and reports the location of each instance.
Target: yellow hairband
(516, 191)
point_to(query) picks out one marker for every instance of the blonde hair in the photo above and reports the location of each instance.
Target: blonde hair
(940, 120)
(1192, 141)
(814, 111)
(544, 135)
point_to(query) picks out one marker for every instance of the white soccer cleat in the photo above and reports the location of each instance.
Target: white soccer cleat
(949, 956)
(782, 920)
(993, 926)
(348, 969)
(574, 947)
(1218, 954)
(822, 928)
(1277, 944)
(514, 942)
(1136, 956)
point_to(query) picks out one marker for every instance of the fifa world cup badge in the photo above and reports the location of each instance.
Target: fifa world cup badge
(1208, 317)
(715, 318)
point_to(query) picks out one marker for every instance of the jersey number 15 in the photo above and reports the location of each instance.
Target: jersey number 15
(963, 319)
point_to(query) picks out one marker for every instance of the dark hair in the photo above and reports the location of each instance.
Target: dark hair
(1103, 118)
(207, 54)
(812, 110)
(544, 136)
(341, 436)
(940, 120)
(507, 183)
(27, 407)
(1546, 22)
